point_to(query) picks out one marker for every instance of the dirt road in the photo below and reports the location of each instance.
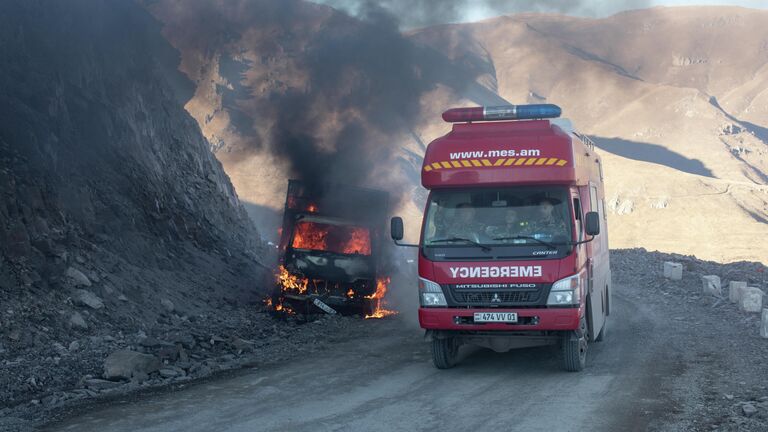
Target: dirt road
(385, 381)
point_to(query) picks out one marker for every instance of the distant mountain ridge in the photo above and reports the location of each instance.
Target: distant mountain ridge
(674, 97)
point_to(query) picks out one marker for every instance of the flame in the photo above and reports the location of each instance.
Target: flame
(333, 238)
(288, 283)
(312, 208)
(350, 293)
(381, 291)
(291, 282)
(359, 242)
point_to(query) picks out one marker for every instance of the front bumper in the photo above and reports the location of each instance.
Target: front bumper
(529, 319)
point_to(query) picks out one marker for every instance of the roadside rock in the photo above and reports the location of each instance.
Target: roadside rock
(125, 364)
(100, 384)
(167, 305)
(77, 321)
(748, 409)
(78, 277)
(86, 298)
(169, 373)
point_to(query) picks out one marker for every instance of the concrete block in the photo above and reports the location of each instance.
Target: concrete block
(710, 285)
(734, 290)
(764, 324)
(751, 300)
(673, 270)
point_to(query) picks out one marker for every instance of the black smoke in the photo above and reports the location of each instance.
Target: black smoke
(363, 91)
(421, 13)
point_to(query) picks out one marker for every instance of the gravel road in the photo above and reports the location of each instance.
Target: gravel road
(674, 360)
(385, 381)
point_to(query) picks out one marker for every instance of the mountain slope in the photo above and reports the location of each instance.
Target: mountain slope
(671, 98)
(115, 218)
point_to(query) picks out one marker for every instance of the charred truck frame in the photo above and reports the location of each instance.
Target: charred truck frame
(511, 252)
(330, 247)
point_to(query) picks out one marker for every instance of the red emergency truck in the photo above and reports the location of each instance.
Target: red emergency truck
(513, 250)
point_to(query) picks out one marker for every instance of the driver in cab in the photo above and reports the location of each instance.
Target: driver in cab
(463, 224)
(511, 227)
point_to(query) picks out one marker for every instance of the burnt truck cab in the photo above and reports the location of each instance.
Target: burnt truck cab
(513, 249)
(330, 248)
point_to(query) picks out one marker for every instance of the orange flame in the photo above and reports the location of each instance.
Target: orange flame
(332, 238)
(381, 291)
(291, 282)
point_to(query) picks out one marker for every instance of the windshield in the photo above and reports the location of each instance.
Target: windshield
(340, 239)
(498, 217)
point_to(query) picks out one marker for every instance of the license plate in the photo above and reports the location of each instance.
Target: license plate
(499, 317)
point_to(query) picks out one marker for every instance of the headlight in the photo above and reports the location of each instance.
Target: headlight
(430, 294)
(565, 291)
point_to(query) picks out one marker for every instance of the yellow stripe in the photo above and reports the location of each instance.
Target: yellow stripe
(561, 162)
(446, 164)
(427, 168)
(499, 162)
(436, 165)
(466, 163)
(530, 161)
(509, 162)
(520, 161)
(486, 162)
(475, 162)
(541, 161)
(551, 161)
(456, 164)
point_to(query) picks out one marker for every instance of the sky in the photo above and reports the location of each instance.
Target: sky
(419, 13)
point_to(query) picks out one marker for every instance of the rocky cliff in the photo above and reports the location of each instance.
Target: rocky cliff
(115, 218)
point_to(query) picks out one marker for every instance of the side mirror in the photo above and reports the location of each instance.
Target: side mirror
(396, 228)
(592, 225)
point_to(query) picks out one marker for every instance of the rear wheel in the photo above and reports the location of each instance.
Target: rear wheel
(575, 348)
(444, 352)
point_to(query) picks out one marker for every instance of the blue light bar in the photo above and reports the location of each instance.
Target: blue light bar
(503, 112)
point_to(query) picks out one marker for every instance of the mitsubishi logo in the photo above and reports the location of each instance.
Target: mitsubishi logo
(495, 298)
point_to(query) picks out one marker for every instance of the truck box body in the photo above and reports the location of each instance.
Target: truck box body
(504, 222)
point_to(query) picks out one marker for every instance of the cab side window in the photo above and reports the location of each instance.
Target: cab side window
(577, 212)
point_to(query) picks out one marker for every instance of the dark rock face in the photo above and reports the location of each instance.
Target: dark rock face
(106, 183)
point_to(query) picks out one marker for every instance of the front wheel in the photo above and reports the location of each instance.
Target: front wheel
(575, 348)
(444, 352)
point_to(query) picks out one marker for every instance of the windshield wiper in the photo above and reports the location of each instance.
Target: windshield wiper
(547, 244)
(466, 240)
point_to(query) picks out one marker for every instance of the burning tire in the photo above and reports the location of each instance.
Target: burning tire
(444, 352)
(575, 348)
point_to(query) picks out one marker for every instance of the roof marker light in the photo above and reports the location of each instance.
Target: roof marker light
(503, 112)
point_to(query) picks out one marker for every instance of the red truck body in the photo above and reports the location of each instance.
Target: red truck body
(503, 291)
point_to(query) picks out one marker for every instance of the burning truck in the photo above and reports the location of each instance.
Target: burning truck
(331, 251)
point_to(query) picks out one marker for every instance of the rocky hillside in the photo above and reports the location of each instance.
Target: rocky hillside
(671, 99)
(115, 217)
(670, 95)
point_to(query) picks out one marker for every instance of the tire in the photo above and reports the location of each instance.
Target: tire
(444, 352)
(575, 345)
(601, 336)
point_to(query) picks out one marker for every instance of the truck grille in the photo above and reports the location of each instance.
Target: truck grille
(484, 296)
(502, 297)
